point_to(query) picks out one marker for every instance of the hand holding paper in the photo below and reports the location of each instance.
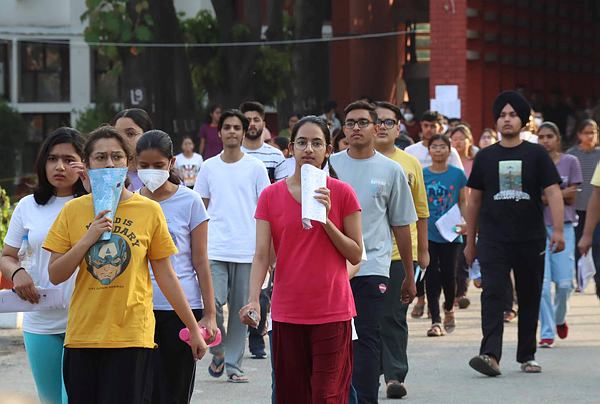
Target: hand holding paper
(312, 179)
(50, 299)
(448, 223)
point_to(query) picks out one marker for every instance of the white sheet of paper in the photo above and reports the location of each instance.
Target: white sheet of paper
(446, 224)
(50, 299)
(587, 270)
(449, 108)
(446, 92)
(312, 179)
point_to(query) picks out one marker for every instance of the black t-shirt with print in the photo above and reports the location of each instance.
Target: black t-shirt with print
(512, 181)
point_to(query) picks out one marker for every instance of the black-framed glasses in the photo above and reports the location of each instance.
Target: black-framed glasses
(387, 123)
(302, 144)
(362, 123)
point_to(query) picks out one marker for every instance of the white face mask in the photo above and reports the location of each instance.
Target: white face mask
(153, 179)
(538, 121)
(409, 117)
(444, 128)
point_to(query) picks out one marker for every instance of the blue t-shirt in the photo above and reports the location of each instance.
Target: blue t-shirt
(443, 192)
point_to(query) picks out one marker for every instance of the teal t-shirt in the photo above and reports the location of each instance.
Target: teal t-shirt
(443, 192)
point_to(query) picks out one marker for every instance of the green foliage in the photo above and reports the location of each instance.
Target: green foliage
(5, 213)
(207, 65)
(13, 132)
(113, 21)
(94, 116)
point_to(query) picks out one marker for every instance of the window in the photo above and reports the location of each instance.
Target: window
(105, 84)
(4, 72)
(44, 72)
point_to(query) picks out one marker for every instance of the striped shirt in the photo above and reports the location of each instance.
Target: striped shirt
(588, 161)
(272, 158)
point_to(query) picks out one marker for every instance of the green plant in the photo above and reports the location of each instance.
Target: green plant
(94, 116)
(117, 21)
(5, 213)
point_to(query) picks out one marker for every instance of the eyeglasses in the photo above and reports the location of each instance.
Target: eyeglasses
(388, 123)
(302, 144)
(116, 157)
(362, 123)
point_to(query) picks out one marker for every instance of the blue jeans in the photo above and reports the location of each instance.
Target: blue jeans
(45, 355)
(559, 268)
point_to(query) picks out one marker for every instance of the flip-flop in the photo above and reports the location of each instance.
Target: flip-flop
(531, 367)
(483, 364)
(237, 379)
(219, 366)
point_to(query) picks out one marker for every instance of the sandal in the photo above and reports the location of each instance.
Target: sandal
(449, 321)
(418, 310)
(531, 367)
(237, 379)
(486, 365)
(509, 316)
(435, 331)
(216, 367)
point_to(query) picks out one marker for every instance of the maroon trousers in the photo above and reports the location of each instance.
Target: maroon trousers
(312, 363)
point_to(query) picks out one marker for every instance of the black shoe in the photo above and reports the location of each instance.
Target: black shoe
(259, 354)
(395, 389)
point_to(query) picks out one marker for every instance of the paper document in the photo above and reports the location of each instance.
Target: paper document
(446, 224)
(50, 299)
(312, 179)
(587, 270)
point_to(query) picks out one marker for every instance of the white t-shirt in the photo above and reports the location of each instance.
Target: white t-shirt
(422, 154)
(272, 158)
(188, 168)
(36, 220)
(184, 211)
(233, 190)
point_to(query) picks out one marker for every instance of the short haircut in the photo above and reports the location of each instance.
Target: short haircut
(329, 105)
(430, 116)
(234, 113)
(362, 105)
(253, 106)
(391, 107)
(282, 142)
(443, 138)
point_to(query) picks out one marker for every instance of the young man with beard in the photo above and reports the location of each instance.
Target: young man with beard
(274, 161)
(386, 202)
(230, 184)
(254, 144)
(505, 205)
(394, 329)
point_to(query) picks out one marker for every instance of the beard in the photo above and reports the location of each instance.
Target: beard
(510, 135)
(254, 136)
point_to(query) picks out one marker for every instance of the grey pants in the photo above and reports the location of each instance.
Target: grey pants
(394, 329)
(231, 282)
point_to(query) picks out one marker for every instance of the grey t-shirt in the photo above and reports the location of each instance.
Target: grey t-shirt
(588, 161)
(385, 199)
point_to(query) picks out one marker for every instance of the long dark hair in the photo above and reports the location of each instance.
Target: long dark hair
(137, 115)
(44, 190)
(161, 141)
(322, 124)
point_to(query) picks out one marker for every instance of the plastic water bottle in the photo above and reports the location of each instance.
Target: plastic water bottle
(25, 255)
(184, 335)
(475, 271)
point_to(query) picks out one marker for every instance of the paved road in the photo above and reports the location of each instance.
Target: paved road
(439, 370)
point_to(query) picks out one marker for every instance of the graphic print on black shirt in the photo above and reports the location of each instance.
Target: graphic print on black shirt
(510, 176)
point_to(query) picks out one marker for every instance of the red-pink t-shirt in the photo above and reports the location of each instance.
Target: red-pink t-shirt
(311, 283)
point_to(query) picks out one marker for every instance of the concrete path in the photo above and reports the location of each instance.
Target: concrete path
(439, 369)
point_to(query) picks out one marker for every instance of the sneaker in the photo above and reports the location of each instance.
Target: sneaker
(395, 389)
(258, 354)
(562, 330)
(463, 302)
(546, 343)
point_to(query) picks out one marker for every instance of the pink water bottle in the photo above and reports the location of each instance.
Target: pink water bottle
(184, 335)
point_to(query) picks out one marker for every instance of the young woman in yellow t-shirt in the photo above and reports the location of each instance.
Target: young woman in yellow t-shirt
(110, 331)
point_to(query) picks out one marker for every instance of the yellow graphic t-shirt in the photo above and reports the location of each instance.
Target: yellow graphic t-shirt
(414, 175)
(111, 305)
(596, 177)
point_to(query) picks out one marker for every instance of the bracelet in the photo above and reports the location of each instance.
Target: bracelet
(12, 278)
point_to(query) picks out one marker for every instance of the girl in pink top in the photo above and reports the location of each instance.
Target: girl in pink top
(312, 301)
